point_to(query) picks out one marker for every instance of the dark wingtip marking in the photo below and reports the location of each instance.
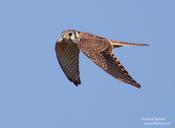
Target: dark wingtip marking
(77, 82)
(137, 85)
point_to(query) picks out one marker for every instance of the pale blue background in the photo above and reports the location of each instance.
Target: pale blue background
(34, 92)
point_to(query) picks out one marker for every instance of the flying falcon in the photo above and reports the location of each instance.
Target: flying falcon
(98, 49)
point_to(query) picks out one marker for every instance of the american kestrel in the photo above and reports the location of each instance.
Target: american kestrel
(98, 49)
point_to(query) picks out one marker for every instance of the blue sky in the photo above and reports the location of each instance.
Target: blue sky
(34, 91)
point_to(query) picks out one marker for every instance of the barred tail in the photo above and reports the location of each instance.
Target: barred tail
(116, 44)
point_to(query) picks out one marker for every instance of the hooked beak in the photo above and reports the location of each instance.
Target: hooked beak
(60, 39)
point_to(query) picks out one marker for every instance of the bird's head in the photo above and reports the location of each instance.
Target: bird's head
(71, 35)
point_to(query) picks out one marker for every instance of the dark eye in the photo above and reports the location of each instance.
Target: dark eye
(70, 34)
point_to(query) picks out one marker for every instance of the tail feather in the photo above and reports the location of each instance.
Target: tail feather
(117, 44)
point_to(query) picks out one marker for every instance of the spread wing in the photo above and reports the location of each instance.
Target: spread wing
(105, 59)
(117, 70)
(68, 57)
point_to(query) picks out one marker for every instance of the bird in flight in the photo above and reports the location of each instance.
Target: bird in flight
(98, 49)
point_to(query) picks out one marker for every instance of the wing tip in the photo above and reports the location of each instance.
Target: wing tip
(137, 85)
(77, 82)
